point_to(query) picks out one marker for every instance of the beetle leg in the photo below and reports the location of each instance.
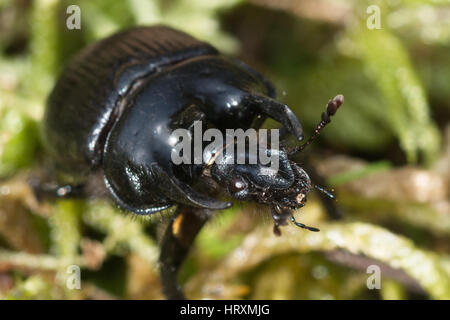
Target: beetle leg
(140, 211)
(186, 118)
(51, 191)
(280, 112)
(177, 240)
(180, 192)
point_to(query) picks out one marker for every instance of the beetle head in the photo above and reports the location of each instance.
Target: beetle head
(283, 186)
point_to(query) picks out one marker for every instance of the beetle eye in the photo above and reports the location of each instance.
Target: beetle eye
(237, 185)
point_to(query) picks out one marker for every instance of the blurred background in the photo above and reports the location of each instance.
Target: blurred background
(386, 155)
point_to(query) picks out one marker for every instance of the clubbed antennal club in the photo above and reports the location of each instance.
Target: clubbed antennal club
(332, 107)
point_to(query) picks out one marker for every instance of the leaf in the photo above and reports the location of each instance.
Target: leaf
(389, 65)
(430, 270)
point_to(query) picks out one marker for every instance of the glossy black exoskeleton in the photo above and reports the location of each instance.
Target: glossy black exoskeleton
(116, 104)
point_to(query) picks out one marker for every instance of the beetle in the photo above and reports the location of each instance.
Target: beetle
(112, 114)
(115, 105)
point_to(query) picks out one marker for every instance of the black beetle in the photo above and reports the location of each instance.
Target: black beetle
(116, 104)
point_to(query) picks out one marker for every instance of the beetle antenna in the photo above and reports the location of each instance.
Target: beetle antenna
(325, 192)
(303, 226)
(332, 107)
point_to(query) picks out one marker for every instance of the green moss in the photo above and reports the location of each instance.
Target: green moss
(19, 141)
